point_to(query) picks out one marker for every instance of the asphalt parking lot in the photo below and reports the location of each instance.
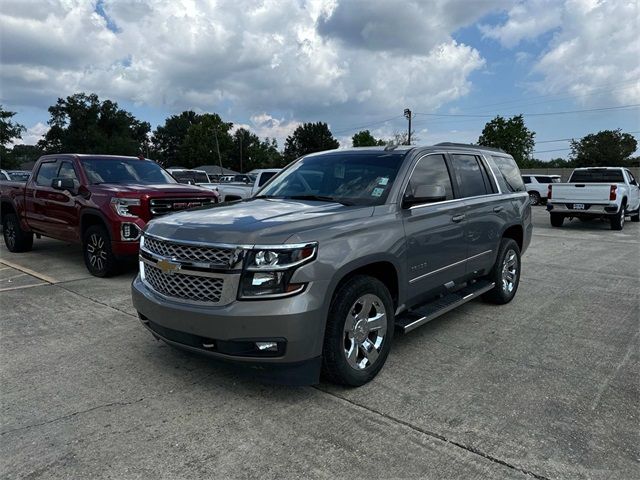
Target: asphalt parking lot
(545, 387)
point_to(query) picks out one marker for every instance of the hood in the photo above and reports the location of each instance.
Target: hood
(266, 221)
(165, 189)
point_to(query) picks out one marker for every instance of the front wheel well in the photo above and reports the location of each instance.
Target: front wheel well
(516, 233)
(89, 220)
(6, 208)
(384, 271)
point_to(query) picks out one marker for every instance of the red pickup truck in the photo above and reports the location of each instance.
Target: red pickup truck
(100, 201)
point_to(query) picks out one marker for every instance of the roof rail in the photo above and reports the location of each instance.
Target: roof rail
(468, 145)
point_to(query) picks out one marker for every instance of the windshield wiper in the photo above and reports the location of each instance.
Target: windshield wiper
(320, 198)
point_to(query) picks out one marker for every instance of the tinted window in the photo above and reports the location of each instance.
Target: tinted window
(507, 173)
(632, 179)
(46, 173)
(265, 177)
(597, 176)
(359, 179)
(526, 179)
(543, 179)
(125, 171)
(430, 170)
(556, 180)
(469, 176)
(67, 171)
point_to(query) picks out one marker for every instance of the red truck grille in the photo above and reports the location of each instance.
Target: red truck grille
(162, 206)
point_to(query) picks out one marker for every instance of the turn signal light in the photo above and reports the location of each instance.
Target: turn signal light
(612, 192)
(549, 193)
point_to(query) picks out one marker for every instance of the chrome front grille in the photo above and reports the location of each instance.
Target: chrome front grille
(189, 253)
(183, 286)
(161, 206)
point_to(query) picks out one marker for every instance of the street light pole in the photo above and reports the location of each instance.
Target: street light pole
(407, 115)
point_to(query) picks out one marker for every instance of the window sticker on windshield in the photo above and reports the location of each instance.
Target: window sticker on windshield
(377, 192)
(338, 171)
(383, 181)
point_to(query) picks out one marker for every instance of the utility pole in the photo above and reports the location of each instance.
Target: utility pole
(240, 138)
(407, 115)
(215, 133)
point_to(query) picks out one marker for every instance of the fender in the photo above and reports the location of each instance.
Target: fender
(94, 212)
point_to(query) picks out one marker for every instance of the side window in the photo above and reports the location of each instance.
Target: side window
(46, 173)
(632, 180)
(469, 174)
(265, 177)
(526, 179)
(507, 173)
(430, 170)
(67, 171)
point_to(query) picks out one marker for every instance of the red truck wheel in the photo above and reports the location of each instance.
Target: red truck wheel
(15, 238)
(98, 256)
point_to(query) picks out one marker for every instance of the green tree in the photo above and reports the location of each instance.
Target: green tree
(168, 138)
(511, 135)
(82, 123)
(249, 152)
(365, 139)
(199, 145)
(309, 138)
(9, 131)
(607, 148)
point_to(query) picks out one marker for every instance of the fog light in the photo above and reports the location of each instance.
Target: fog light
(130, 231)
(267, 346)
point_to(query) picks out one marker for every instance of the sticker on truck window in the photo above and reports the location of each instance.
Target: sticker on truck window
(383, 181)
(338, 171)
(377, 192)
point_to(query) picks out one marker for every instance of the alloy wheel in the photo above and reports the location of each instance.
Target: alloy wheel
(10, 234)
(96, 251)
(364, 331)
(509, 271)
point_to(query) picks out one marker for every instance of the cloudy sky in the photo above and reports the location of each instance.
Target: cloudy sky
(355, 64)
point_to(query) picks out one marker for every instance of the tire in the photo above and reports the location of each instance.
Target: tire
(15, 238)
(98, 257)
(505, 273)
(557, 219)
(351, 338)
(617, 221)
(635, 217)
(534, 198)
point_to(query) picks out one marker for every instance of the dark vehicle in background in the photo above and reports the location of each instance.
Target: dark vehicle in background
(189, 176)
(316, 271)
(102, 202)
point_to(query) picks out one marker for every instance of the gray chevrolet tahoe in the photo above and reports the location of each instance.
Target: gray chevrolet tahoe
(342, 248)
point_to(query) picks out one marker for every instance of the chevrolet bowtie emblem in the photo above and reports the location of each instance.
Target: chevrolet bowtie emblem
(167, 267)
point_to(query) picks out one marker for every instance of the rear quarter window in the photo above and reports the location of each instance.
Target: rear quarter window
(507, 173)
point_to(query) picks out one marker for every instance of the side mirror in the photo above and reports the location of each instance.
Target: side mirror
(425, 194)
(64, 184)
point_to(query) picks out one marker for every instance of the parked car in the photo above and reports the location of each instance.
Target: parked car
(189, 176)
(102, 202)
(537, 186)
(607, 192)
(335, 253)
(15, 175)
(254, 181)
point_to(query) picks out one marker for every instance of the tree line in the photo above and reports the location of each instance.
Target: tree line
(82, 123)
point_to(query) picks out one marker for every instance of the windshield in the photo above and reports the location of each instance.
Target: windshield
(125, 171)
(352, 179)
(597, 176)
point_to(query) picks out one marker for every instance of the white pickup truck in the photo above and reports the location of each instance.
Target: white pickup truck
(606, 192)
(230, 191)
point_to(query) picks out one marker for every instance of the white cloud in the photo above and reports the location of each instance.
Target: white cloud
(241, 58)
(594, 47)
(32, 135)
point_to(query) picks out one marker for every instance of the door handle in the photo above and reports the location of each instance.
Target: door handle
(458, 218)
(498, 209)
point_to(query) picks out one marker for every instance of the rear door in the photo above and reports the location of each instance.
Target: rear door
(483, 213)
(435, 245)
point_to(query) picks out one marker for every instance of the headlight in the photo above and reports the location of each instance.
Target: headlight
(268, 271)
(122, 206)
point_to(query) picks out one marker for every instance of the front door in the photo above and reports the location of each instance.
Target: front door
(36, 196)
(436, 248)
(62, 208)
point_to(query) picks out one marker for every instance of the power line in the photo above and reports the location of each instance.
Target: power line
(635, 105)
(554, 150)
(569, 139)
(351, 129)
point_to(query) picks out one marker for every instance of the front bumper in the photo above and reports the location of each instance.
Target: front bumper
(297, 323)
